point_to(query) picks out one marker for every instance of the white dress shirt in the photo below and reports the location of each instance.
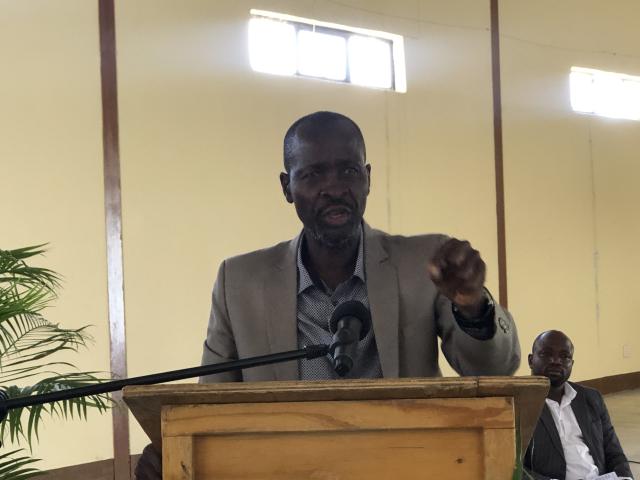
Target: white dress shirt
(576, 453)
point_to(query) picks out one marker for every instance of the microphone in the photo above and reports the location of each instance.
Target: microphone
(350, 323)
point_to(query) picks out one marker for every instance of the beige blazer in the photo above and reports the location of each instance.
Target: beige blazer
(254, 313)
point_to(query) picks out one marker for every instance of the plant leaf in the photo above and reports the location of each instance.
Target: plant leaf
(29, 345)
(15, 467)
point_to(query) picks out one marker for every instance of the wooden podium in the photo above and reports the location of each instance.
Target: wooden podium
(440, 428)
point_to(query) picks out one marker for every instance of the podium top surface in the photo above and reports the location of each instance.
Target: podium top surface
(146, 402)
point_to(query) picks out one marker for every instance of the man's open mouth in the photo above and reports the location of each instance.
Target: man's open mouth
(336, 214)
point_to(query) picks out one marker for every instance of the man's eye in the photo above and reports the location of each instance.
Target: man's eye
(351, 171)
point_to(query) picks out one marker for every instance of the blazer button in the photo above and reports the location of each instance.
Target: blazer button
(503, 324)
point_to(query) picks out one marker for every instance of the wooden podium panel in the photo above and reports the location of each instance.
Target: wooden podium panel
(462, 428)
(350, 439)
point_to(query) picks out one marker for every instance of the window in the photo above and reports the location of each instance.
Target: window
(286, 45)
(603, 93)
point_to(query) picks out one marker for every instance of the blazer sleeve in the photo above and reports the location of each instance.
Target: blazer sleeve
(499, 355)
(614, 458)
(219, 345)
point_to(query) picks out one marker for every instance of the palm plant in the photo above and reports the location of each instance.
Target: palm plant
(30, 347)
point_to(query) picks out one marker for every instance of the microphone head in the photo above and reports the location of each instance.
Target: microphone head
(352, 308)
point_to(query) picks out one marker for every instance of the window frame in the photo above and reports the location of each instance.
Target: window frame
(394, 41)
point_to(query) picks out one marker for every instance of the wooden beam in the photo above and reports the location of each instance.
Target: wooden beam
(113, 219)
(497, 145)
(100, 470)
(614, 383)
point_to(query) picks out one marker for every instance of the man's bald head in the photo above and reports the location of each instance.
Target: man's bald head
(317, 126)
(551, 334)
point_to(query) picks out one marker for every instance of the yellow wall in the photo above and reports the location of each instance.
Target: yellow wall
(571, 181)
(52, 186)
(201, 151)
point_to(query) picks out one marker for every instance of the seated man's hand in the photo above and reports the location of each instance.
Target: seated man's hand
(149, 465)
(459, 273)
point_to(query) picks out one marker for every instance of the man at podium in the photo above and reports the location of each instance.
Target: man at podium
(417, 288)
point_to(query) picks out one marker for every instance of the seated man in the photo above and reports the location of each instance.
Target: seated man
(574, 438)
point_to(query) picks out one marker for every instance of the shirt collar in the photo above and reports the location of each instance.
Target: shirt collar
(569, 394)
(304, 278)
(567, 397)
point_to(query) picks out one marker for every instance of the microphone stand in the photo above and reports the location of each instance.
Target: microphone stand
(309, 352)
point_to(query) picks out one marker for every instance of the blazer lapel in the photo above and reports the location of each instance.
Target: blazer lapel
(580, 410)
(382, 291)
(280, 309)
(550, 426)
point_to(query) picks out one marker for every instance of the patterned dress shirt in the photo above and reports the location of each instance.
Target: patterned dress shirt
(316, 304)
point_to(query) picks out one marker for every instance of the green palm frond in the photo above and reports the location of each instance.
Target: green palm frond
(24, 290)
(15, 467)
(14, 425)
(29, 344)
(27, 338)
(13, 262)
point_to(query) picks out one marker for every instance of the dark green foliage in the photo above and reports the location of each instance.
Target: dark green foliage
(16, 467)
(29, 347)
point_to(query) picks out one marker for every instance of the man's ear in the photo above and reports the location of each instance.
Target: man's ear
(368, 168)
(530, 358)
(284, 182)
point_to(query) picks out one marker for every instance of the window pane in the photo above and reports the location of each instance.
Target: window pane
(272, 46)
(370, 61)
(608, 94)
(631, 89)
(608, 101)
(582, 92)
(322, 55)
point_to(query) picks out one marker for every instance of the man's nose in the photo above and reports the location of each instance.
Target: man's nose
(556, 360)
(334, 186)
